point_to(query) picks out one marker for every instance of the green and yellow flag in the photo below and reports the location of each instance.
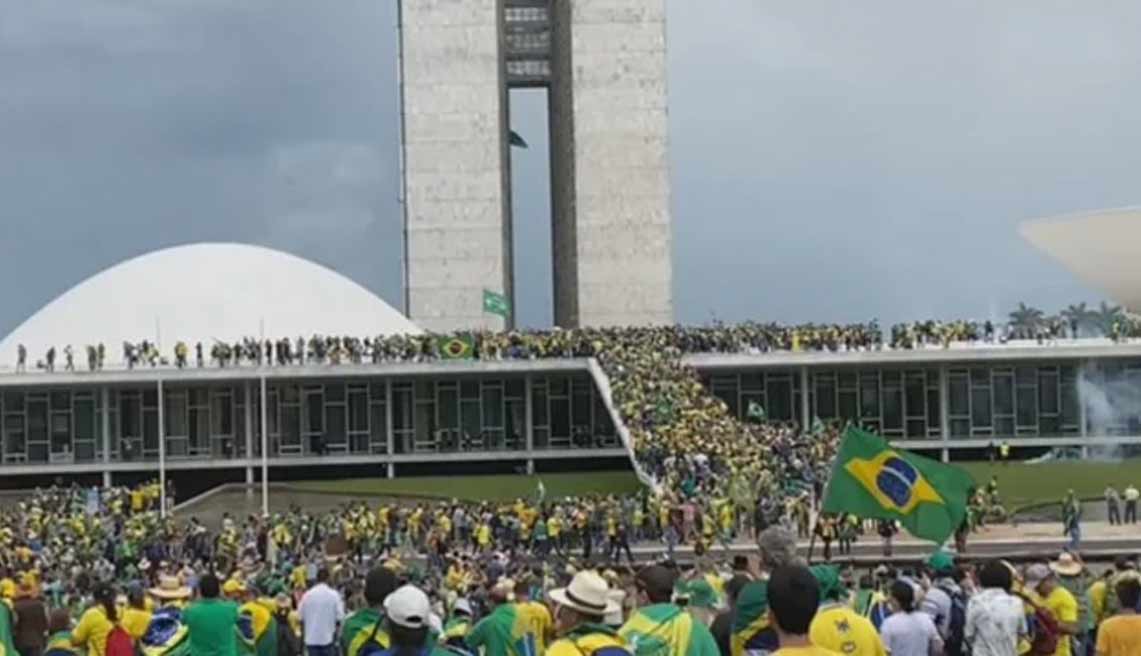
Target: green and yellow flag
(496, 303)
(457, 347)
(872, 479)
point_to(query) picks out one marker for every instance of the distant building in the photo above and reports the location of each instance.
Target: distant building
(603, 65)
(1098, 247)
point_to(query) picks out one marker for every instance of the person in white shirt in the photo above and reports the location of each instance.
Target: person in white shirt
(995, 618)
(909, 631)
(321, 611)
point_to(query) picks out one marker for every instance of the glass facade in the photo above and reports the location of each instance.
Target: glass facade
(778, 392)
(356, 417)
(896, 403)
(995, 400)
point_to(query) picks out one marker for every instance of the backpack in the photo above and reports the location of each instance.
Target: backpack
(119, 643)
(1044, 629)
(956, 625)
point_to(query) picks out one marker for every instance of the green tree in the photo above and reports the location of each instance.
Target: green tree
(1081, 316)
(1105, 315)
(1026, 318)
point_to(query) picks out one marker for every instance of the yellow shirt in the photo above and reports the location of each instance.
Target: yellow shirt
(1097, 594)
(135, 621)
(584, 644)
(1065, 609)
(840, 629)
(537, 619)
(804, 651)
(1120, 635)
(92, 631)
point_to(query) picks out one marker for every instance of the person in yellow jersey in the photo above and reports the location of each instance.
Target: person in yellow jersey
(136, 617)
(483, 536)
(534, 614)
(580, 611)
(793, 597)
(96, 623)
(837, 627)
(1120, 635)
(1040, 580)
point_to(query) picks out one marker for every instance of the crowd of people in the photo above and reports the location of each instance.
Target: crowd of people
(340, 601)
(747, 337)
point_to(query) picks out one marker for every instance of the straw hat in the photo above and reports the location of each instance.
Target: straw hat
(588, 594)
(1066, 565)
(170, 587)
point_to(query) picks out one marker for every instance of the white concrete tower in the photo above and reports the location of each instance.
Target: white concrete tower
(603, 63)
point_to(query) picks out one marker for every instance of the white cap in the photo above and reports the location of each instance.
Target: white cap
(408, 607)
(462, 606)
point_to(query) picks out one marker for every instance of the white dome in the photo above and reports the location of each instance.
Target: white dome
(203, 292)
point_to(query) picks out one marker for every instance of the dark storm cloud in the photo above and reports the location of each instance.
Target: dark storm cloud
(829, 161)
(128, 126)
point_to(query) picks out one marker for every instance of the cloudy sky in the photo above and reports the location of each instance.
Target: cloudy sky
(831, 160)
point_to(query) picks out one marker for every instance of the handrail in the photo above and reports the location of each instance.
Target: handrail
(602, 381)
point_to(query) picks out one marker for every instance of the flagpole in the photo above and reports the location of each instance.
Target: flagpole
(161, 454)
(264, 450)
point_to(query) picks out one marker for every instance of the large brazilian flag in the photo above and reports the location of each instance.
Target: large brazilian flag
(870, 478)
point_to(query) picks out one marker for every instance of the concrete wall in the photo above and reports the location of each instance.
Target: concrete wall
(621, 207)
(455, 192)
(564, 243)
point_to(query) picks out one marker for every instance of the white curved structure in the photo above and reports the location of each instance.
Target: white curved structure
(203, 292)
(1101, 248)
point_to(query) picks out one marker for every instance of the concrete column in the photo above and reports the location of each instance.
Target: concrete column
(248, 420)
(390, 470)
(944, 412)
(161, 449)
(106, 478)
(1083, 420)
(105, 404)
(391, 447)
(529, 416)
(530, 466)
(805, 410)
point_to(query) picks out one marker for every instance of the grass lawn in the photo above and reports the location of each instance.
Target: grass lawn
(478, 488)
(1021, 485)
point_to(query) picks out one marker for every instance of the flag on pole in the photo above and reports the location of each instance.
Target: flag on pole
(870, 478)
(496, 303)
(756, 411)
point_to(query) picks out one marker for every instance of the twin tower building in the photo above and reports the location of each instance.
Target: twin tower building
(603, 65)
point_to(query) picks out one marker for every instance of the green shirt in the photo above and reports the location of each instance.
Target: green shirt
(6, 646)
(210, 624)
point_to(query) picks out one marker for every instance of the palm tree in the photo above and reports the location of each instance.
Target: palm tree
(1079, 315)
(1105, 315)
(1026, 319)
